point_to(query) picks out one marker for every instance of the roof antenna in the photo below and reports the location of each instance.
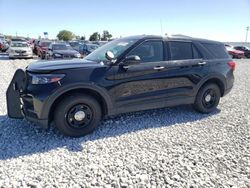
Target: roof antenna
(161, 27)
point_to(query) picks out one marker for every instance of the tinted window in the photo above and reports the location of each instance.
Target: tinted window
(196, 54)
(59, 47)
(181, 50)
(149, 51)
(81, 47)
(217, 50)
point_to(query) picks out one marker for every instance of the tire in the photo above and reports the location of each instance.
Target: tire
(207, 99)
(70, 109)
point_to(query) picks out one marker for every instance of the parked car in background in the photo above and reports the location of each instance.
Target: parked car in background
(2, 37)
(234, 53)
(19, 49)
(35, 46)
(86, 49)
(244, 49)
(61, 51)
(126, 75)
(3, 45)
(31, 43)
(42, 48)
(75, 44)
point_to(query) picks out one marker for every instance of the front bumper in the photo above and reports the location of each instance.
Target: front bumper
(20, 105)
(20, 55)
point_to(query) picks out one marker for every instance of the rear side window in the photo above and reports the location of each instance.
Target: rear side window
(183, 50)
(217, 50)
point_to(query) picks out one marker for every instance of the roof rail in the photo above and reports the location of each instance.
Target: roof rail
(181, 36)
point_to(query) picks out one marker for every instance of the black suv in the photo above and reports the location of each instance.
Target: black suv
(128, 74)
(61, 51)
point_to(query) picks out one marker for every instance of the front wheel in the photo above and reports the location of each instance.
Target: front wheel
(207, 98)
(77, 115)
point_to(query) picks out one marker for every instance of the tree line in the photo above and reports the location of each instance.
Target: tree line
(68, 35)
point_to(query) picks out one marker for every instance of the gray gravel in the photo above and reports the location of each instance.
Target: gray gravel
(172, 147)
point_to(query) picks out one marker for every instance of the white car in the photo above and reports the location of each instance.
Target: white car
(20, 50)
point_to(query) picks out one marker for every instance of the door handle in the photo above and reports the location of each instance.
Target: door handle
(158, 68)
(202, 63)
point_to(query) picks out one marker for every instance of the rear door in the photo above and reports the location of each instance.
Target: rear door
(187, 66)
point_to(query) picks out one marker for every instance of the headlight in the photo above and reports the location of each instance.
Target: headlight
(77, 55)
(57, 55)
(46, 78)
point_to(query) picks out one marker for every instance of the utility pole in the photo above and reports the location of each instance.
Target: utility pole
(247, 33)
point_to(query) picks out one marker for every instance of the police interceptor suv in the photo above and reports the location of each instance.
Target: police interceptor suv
(125, 75)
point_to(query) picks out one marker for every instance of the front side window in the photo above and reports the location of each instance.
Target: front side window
(149, 51)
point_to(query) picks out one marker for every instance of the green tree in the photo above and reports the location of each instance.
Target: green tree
(83, 38)
(65, 35)
(95, 37)
(77, 37)
(106, 36)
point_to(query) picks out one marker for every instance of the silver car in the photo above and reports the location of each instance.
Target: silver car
(20, 50)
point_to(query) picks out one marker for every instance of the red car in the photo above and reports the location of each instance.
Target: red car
(42, 48)
(235, 53)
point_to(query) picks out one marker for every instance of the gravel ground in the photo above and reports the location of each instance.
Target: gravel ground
(172, 147)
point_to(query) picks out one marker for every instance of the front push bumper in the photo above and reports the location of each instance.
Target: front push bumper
(16, 107)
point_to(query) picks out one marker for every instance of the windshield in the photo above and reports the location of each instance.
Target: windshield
(74, 44)
(61, 47)
(19, 45)
(116, 46)
(45, 44)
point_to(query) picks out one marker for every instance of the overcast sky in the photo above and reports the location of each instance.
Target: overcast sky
(222, 20)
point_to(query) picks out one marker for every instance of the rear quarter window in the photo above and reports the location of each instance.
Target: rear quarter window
(217, 50)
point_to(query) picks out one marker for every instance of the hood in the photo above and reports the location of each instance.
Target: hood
(65, 52)
(48, 66)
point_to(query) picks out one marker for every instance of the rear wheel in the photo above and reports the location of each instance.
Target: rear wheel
(77, 115)
(207, 98)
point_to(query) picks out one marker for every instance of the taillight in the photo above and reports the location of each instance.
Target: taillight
(232, 65)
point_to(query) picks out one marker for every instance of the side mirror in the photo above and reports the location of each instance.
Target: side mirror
(131, 60)
(109, 55)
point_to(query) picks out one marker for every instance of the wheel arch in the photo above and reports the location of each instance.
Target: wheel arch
(100, 94)
(218, 80)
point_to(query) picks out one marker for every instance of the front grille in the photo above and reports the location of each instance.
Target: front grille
(20, 51)
(68, 56)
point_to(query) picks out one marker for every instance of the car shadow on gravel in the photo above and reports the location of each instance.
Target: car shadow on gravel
(21, 138)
